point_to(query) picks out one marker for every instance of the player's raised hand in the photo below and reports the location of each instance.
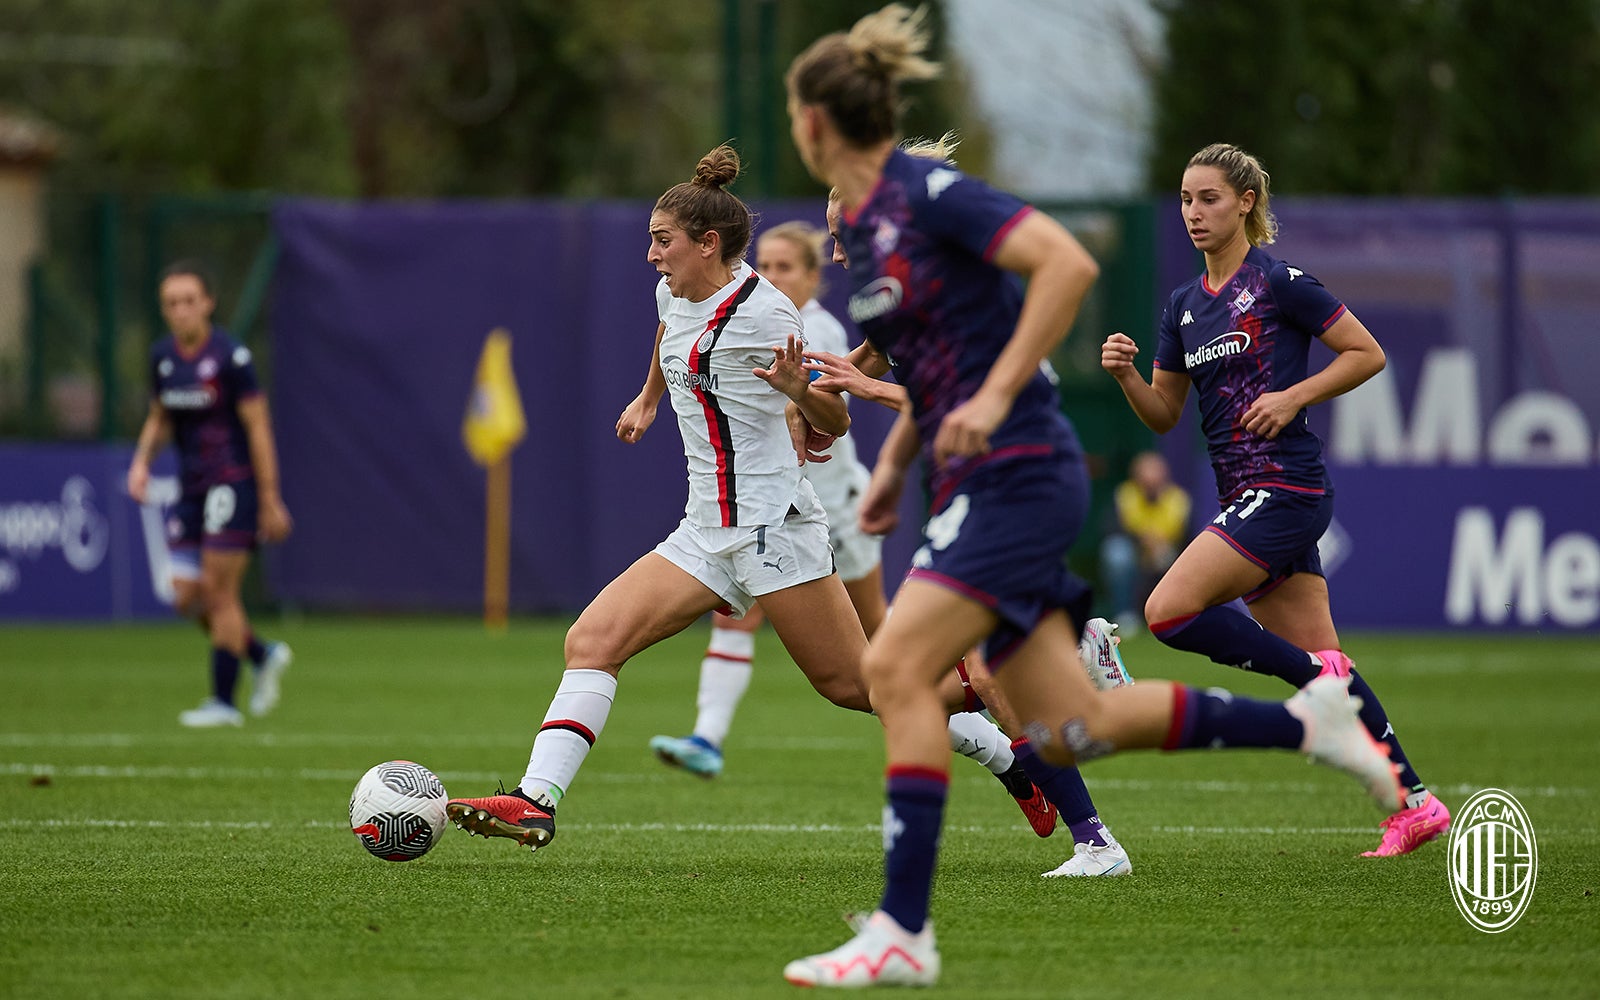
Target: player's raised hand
(1117, 354)
(636, 418)
(787, 374)
(835, 373)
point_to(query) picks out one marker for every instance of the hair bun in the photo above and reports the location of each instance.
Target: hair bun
(718, 168)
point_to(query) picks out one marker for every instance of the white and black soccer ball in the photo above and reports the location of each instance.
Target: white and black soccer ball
(397, 810)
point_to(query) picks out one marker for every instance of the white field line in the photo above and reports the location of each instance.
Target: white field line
(135, 772)
(861, 829)
(710, 828)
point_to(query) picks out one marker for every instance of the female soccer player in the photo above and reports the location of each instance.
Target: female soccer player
(934, 259)
(1240, 333)
(753, 533)
(205, 397)
(790, 256)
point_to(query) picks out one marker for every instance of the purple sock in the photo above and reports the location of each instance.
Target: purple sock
(1234, 639)
(255, 649)
(1063, 787)
(1217, 718)
(911, 823)
(1377, 722)
(224, 674)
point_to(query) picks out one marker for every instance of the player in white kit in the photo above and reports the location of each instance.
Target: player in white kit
(729, 350)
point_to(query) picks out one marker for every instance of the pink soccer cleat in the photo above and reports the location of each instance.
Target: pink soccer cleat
(1409, 829)
(1334, 663)
(881, 954)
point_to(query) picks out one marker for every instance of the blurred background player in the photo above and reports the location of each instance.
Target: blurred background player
(935, 262)
(1149, 526)
(206, 399)
(1241, 333)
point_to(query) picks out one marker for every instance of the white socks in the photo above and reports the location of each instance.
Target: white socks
(576, 716)
(724, 677)
(972, 735)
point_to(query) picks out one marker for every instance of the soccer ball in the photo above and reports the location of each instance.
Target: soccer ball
(397, 810)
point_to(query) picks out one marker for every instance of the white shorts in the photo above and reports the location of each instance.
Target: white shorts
(741, 564)
(855, 552)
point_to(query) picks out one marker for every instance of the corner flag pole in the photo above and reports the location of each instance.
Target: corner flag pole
(493, 426)
(497, 545)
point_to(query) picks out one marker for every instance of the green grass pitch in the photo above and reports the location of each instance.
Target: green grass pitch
(140, 859)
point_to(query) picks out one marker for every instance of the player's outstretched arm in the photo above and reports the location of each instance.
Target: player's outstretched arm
(638, 415)
(837, 374)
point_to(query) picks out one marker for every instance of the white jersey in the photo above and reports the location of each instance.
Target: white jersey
(742, 468)
(841, 481)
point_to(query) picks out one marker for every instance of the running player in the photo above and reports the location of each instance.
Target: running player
(935, 258)
(1241, 332)
(790, 256)
(206, 399)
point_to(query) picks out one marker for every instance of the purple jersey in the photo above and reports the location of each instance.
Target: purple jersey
(201, 394)
(1251, 336)
(926, 294)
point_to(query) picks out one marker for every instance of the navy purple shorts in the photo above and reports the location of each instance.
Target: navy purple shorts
(1001, 539)
(223, 517)
(1276, 527)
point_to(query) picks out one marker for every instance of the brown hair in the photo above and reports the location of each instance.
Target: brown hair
(855, 76)
(1243, 172)
(702, 205)
(187, 267)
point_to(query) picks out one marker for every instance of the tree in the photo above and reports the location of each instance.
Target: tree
(1449, 97)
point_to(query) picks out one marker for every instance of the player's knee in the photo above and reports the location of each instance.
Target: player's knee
(591, 646)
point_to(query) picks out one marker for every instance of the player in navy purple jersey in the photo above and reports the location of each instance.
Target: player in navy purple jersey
(206, 400)
(1241, 333)
(935, 259)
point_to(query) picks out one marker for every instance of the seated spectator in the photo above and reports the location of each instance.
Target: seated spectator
(1150, 527)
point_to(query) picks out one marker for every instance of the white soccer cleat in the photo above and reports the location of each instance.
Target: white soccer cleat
(881, 954)
(1089, 860)
(1335, 736)
(210, 714)
(1098, 651)
(264, 686)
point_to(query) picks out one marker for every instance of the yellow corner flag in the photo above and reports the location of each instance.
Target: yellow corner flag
(494, 423)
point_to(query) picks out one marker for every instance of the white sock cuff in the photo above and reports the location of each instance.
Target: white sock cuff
(732, 644)
(588, 682)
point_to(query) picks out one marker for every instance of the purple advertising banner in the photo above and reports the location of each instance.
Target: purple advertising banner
(72, 544)
(379, 314)
(1466, 474)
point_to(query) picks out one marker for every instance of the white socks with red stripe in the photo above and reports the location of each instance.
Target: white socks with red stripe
(724, 677)
(577, 715)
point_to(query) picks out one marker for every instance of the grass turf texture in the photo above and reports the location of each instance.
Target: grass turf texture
(141, 859)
